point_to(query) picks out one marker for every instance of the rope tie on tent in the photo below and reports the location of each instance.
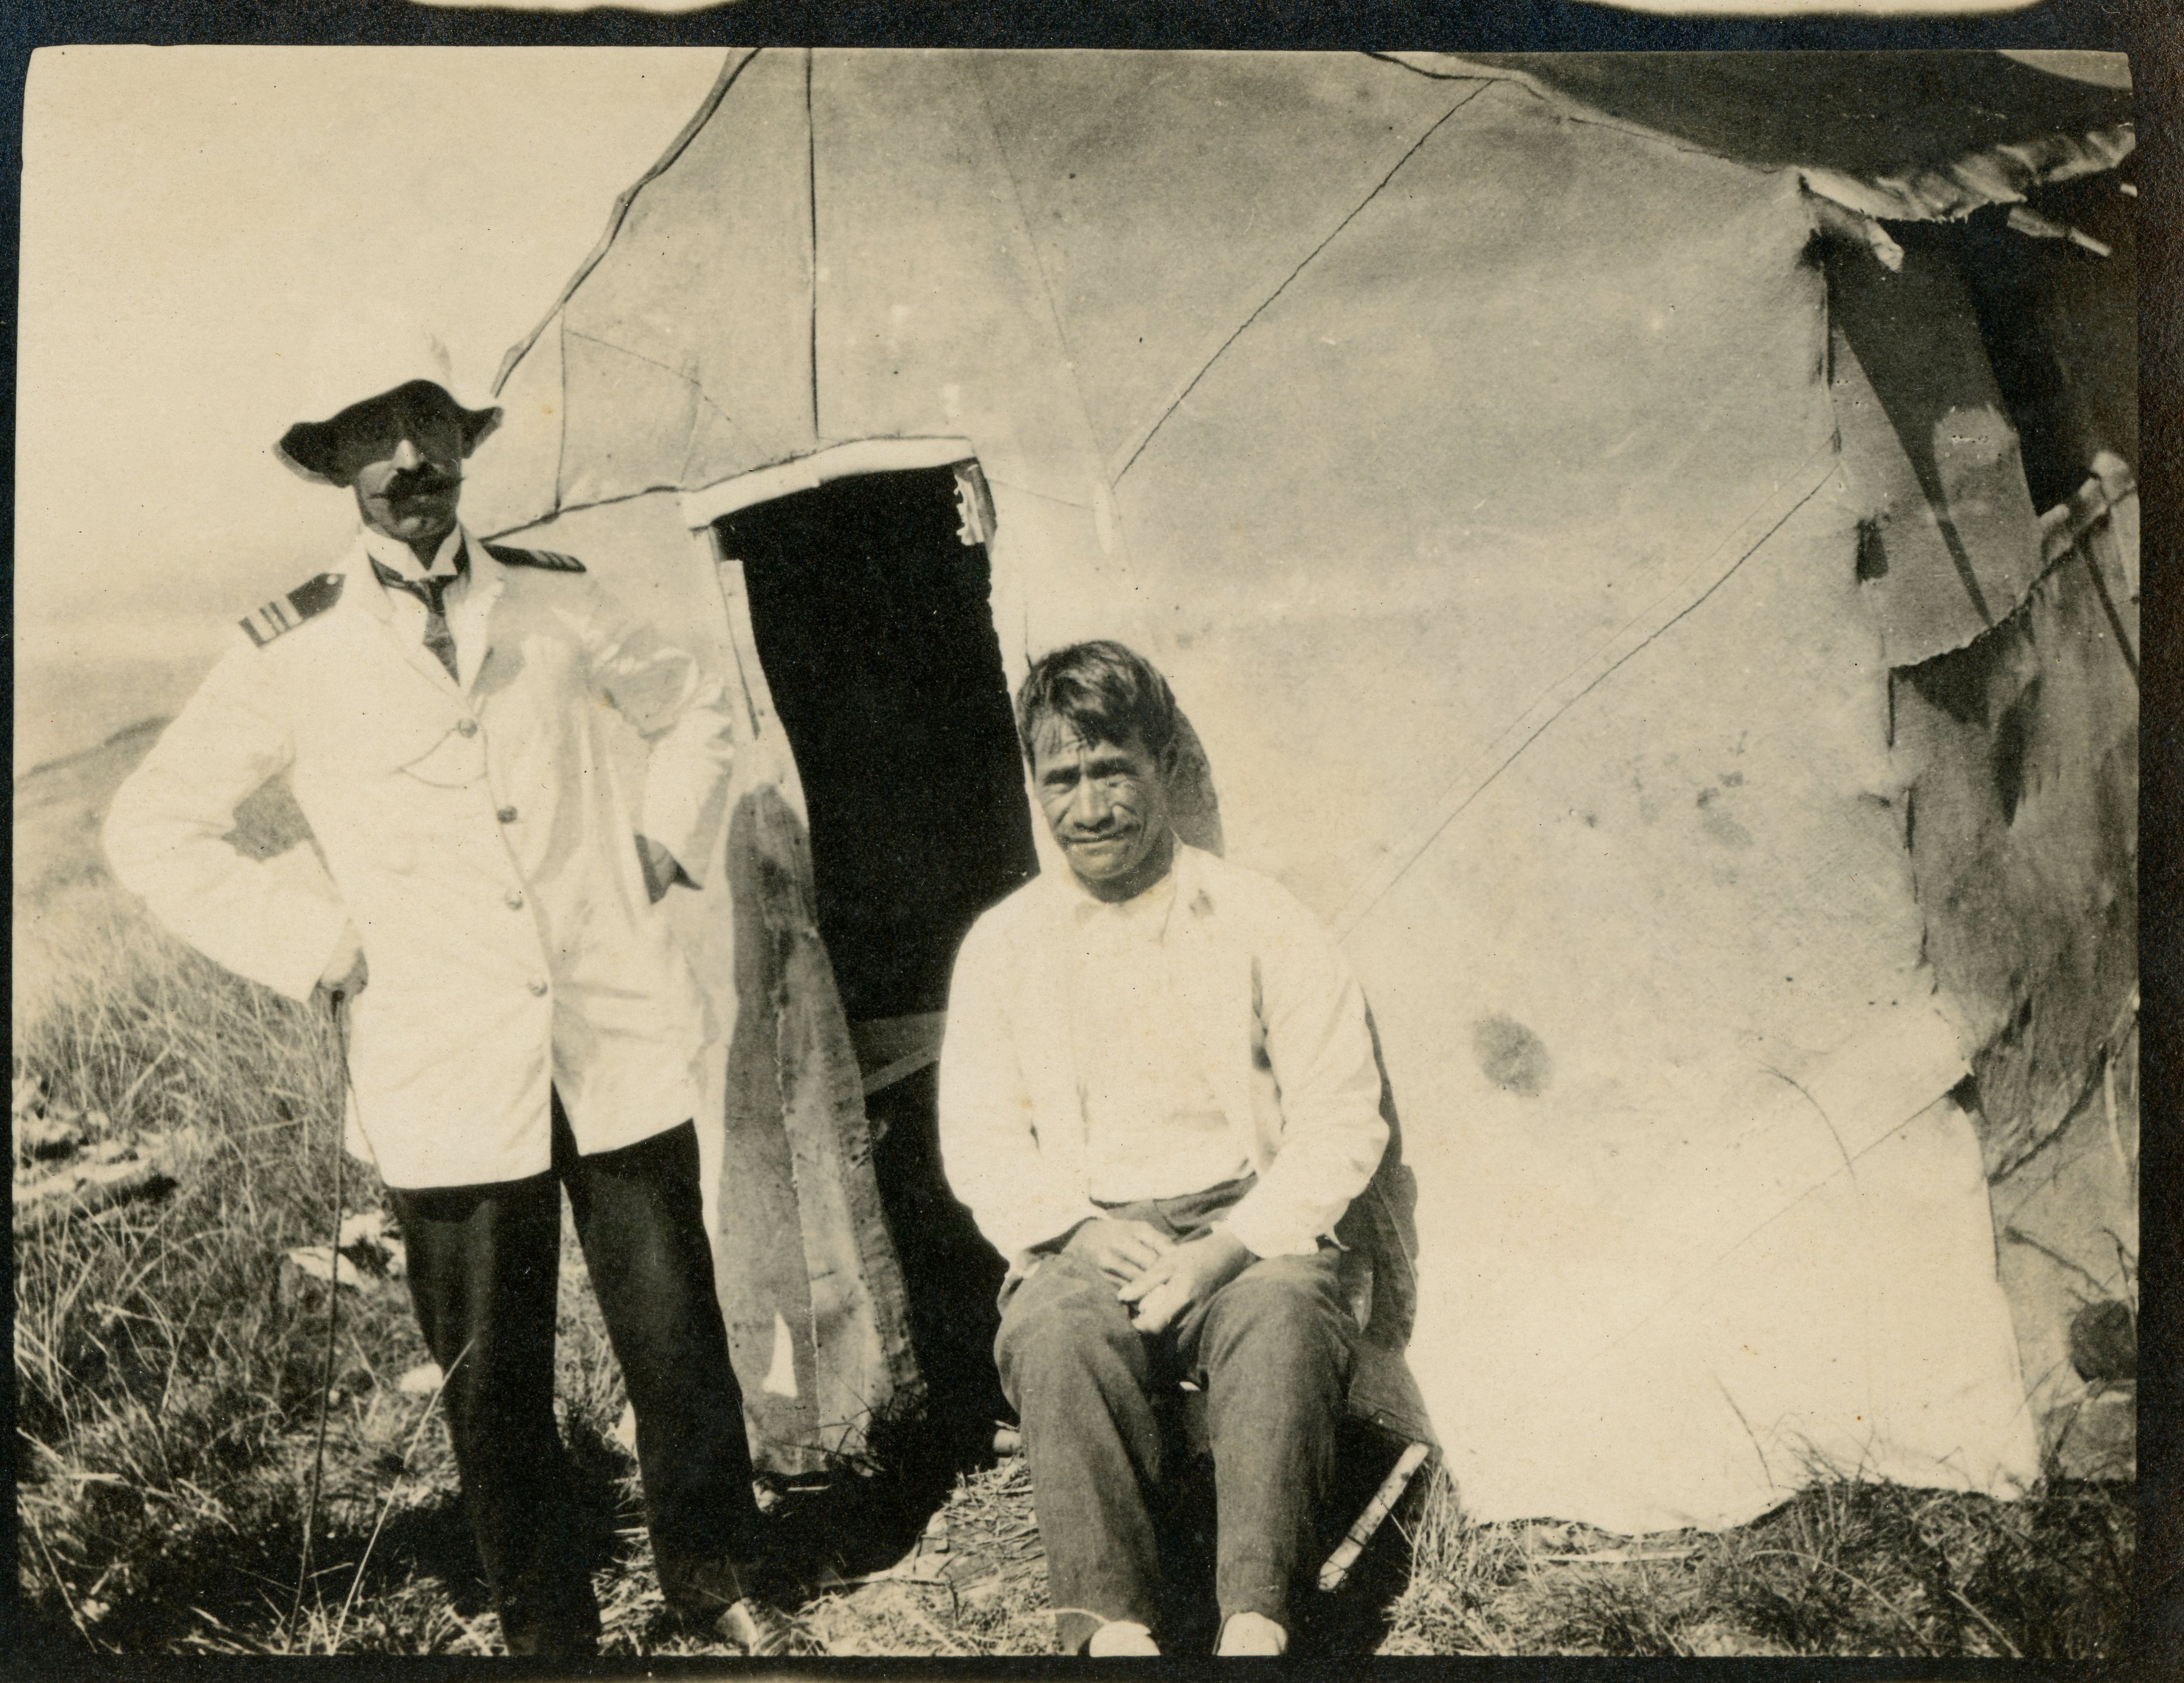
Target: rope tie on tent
(1698, 582)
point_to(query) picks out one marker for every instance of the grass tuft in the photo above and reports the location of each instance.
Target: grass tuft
(1845, 1567)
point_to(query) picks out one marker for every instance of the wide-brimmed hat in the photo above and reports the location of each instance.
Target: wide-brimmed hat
(360, 355)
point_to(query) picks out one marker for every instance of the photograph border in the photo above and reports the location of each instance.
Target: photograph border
(2149, 30)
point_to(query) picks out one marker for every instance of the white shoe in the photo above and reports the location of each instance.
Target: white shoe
(1119, 1637)
(1252, 1633)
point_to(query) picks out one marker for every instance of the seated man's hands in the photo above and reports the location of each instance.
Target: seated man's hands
(346, 971)
(1189, 1273)
(1121, 1249)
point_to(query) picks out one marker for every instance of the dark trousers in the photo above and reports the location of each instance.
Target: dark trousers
(1272, 1351)
(484, 1262)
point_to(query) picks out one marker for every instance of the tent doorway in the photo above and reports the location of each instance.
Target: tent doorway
(869, 610)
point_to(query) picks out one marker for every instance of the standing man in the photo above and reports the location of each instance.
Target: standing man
(1158, 1094)
(529, 1024)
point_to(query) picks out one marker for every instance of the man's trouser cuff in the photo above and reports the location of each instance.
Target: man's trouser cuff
(703, 1588)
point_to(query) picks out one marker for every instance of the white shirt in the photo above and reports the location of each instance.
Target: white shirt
(1153, 1127)
(1276, 1027)
(465, 607)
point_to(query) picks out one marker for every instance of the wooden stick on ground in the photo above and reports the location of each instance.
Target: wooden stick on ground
(1337, 1570)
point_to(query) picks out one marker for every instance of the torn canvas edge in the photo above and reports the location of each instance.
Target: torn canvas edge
(1994, 174)
(2001, 174)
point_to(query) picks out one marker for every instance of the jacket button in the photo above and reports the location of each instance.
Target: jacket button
(539, 990)
(515, 899)
(467, 727)
(506, 815)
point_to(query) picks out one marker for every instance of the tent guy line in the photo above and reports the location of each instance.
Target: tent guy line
(1030, 249)
(812, 188)
(1131, 451)
(1578, 683)
(1564, 107)
(2065, 526)
(1766, 1470)
(1819, 1110)
(1696, 1277)
(665, 368)
(690, 130)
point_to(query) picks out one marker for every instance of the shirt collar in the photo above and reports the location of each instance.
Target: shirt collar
(396, 556)
(1149, 908)
(487, 574)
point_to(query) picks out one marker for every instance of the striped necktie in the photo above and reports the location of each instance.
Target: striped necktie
(432, 592)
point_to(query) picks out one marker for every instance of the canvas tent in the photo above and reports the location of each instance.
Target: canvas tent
(1647, 549)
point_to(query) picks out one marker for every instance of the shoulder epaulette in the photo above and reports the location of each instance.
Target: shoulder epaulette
(283, 614)
(547, 558)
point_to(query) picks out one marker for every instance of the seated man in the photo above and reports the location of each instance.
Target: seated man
(1158, 1095)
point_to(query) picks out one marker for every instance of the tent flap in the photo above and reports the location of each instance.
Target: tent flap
(1950, 544)
(2021, 752)
(801, 1232)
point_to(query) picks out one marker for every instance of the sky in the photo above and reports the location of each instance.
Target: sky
(189, 215)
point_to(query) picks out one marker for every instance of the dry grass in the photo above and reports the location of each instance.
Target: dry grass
(168, 1392)
(1845, 1569)
(169, 1372)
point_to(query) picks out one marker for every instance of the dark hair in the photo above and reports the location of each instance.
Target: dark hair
(1107, 691)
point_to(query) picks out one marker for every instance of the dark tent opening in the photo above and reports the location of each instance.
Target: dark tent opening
(870, 608)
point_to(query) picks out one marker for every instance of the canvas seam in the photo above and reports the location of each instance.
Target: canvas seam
(1267, 303)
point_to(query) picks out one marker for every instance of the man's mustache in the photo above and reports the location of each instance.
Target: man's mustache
(422, 484)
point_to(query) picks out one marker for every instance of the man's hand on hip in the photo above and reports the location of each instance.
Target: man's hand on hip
(1190, 1273)
(346, 971)
(662, 870)
(1121, 1249)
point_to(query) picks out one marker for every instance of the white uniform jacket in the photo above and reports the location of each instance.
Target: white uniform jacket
(1278, 1017)
(475, 835)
